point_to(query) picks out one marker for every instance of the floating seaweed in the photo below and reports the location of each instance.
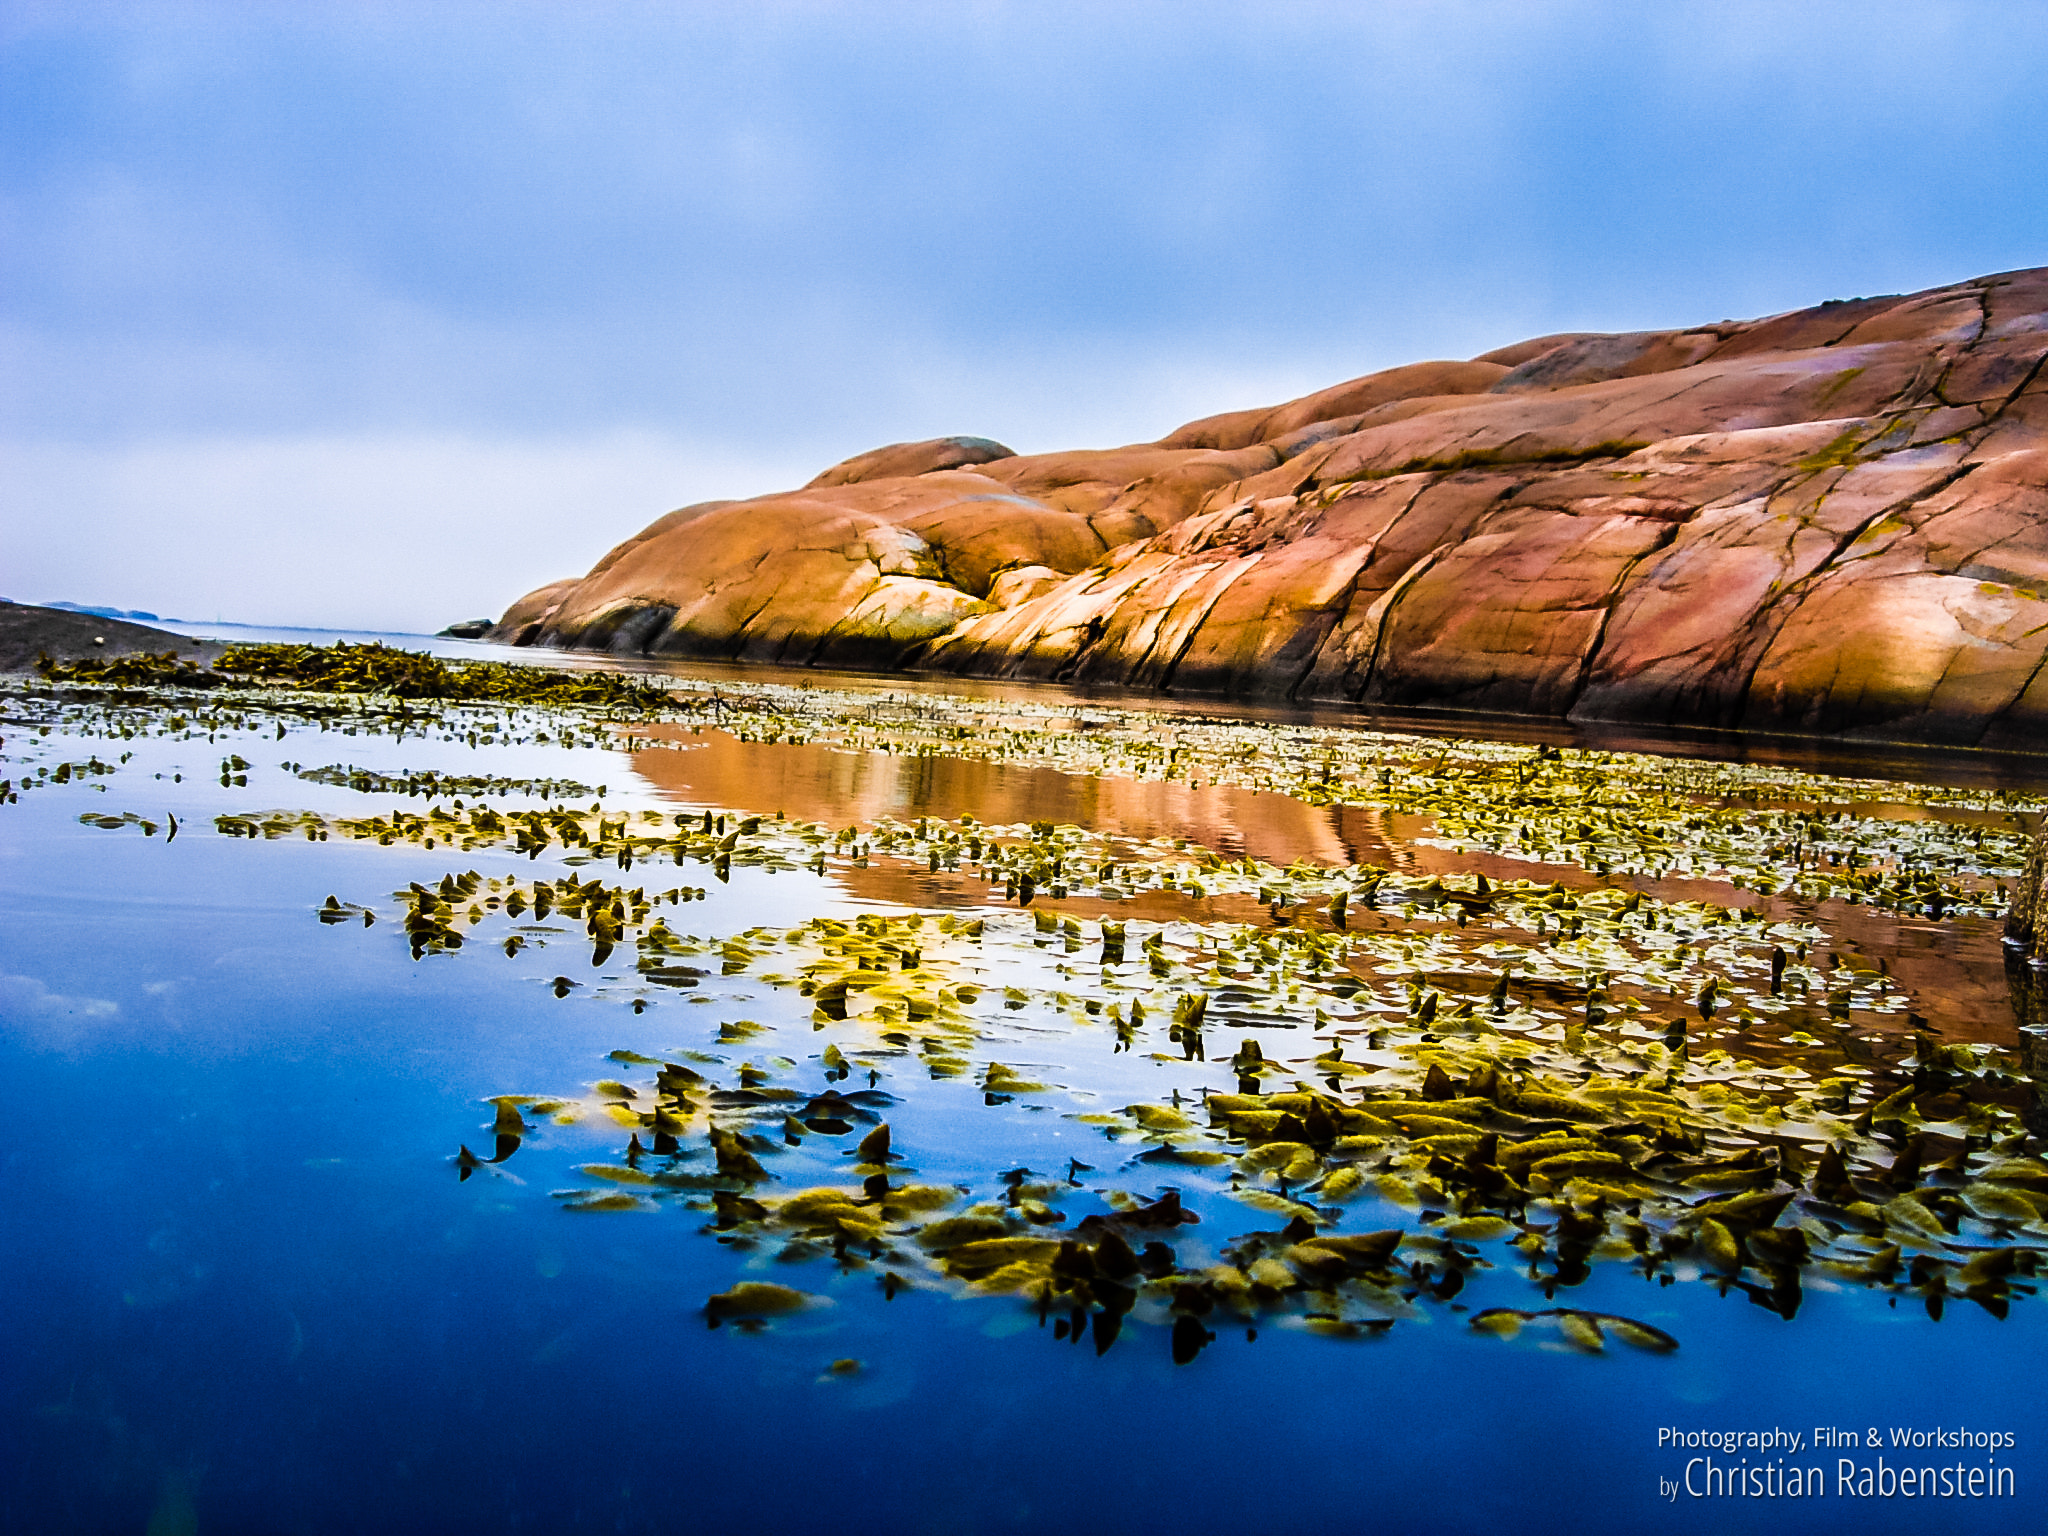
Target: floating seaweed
(1501, 1151)
(1436, 1087)
(1936, 853)
(432, 783)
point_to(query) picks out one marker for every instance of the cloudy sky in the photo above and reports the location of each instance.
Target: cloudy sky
(378, 315)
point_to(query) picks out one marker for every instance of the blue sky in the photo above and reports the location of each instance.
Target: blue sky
(380, 314)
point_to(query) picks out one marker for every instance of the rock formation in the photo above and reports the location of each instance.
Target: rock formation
(1833, 521)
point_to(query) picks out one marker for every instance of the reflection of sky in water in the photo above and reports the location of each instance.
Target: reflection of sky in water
(242, 1280)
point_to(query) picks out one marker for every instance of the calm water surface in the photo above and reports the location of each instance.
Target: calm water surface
(245, 1290)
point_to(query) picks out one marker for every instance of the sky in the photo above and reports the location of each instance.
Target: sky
(377, 316)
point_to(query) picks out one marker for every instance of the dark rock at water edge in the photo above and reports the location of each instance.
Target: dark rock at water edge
(2026, 948)
(27, 631)
(2026, 921)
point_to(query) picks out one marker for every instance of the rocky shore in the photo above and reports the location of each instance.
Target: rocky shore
(27, 631)
(1830, 521)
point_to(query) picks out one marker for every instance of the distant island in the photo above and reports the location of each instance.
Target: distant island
(1828, 521)
(137, 614)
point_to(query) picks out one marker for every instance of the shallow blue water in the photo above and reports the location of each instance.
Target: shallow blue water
(245, 1292)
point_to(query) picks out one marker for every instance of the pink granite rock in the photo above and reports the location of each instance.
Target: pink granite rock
(1833, 520)
(899, 459)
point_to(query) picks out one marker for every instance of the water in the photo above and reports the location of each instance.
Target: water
(1869, 759)
(248, 1292)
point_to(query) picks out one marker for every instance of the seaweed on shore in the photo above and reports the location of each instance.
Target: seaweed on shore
(138, 669)
(368, 669)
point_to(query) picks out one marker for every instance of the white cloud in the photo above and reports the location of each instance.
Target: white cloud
(39, 1017)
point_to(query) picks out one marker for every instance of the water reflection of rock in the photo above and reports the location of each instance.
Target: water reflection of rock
(1951, 968)
(820, 783)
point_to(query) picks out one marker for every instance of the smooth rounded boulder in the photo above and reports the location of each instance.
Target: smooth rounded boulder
(1829, 521)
